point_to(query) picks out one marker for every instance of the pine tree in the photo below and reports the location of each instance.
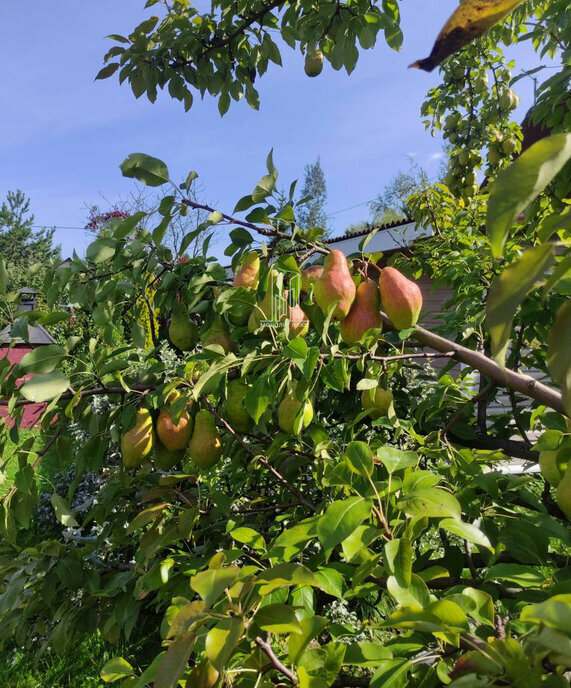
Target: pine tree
(312, 213)
(21, 246)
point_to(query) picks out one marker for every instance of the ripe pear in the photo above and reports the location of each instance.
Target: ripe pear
(549, 468)
(235, 412)
(249, 273)
(205, 446)
(401, 297)
(314, 63)
(218, 333)
(309, 276)
(165, 459)
(289, 409)
(335, 286)
(137, 442)
(365, 313)
(563, 493)
(183, 333)
(377, 401)
(173, 436)
(298, 321)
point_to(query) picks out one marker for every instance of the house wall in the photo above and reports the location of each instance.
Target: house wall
(32, 412)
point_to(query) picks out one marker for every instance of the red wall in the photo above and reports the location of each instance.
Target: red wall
(32, 411)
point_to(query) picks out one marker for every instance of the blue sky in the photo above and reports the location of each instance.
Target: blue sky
(64, 134)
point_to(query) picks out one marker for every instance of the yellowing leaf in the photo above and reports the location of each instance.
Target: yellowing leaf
(469, 21)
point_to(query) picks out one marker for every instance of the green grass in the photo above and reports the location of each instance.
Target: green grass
(78, 667)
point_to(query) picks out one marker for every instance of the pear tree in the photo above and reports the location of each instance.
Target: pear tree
(300, 488)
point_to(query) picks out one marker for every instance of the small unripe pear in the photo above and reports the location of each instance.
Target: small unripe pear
(563, 493)
(401, 297)
(509, 145)
(549, 468)
(335, 286)
(236, 414)
(218, 333)
(164, 459)
(137, 442)
(290, 408)
(249, 273)
(314, 63)
(183, 333)
(309, 276)
(377, 401)
(205, 446)
(365, 313)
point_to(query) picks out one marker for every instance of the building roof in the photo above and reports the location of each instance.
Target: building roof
(367, 230)
(37, 336)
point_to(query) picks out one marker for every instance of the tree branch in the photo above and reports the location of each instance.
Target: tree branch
(504, 377)
(262, 459)
(275, 662)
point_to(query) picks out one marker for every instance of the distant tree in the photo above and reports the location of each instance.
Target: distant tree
(392, 203)
(312, 213)
(21, 246)
(100, 222)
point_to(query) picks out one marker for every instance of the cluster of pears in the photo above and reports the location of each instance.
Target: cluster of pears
(171, 437)
(556, 469)
(358, 307)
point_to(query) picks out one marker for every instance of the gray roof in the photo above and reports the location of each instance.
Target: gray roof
(37, 335)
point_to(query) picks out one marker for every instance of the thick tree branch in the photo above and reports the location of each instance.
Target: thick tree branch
(524, 384)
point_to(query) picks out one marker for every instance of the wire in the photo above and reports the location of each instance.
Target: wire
(357, 205)
(83, 229)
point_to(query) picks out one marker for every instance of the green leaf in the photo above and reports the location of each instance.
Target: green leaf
(101, 250)
(277, 618)
(516, 187)
(310, 629)
(391, 674)
(340, 519)
(466, 531)
(210, 584)
(260, 395)
(525, 576)
(366, 654)
(3, 277)
(320, 667)
(484, 611)
(359, 540)
(509, 290)
(431, 502)
(43, 359)
(330, 581)
(45, 387)
(554, 612)
(414, 594)
(359, 458)
(174, 662)
(221, 641)
(559, 352)
(284, 575)
(398, 560)
(396, 459)
(107, 71)
(249, 537)
(63, 512)
(115, 669)
(145, 169)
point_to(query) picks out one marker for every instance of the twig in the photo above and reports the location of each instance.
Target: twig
(275, 662)
(262, 459)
